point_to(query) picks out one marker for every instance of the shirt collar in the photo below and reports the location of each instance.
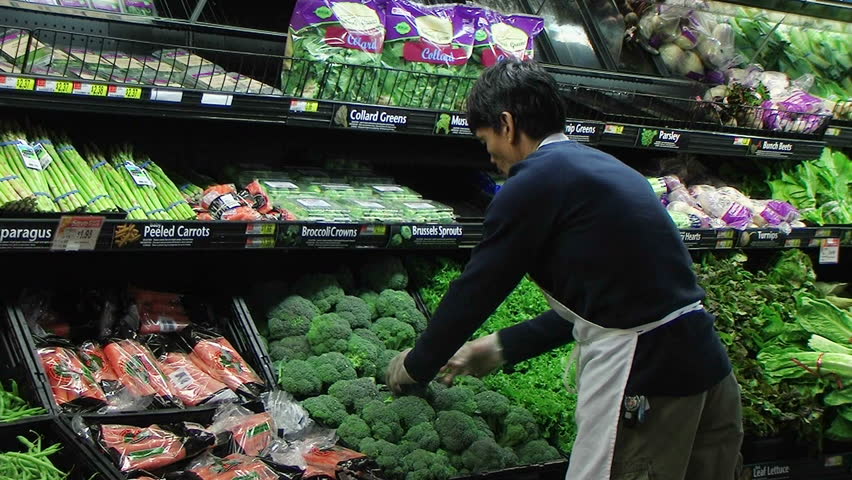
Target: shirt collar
(554, 138)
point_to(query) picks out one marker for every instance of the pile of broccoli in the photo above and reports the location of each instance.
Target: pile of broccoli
(331, 339)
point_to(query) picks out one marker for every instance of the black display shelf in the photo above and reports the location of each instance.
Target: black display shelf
(839, 134)
(152, 236)
(829, 467)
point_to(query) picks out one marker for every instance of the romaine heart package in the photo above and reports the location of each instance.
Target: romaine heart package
(329, 40)
(429, 39)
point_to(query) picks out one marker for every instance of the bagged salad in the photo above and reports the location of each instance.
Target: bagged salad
(329, 42)
(499, 37)
(428, 46)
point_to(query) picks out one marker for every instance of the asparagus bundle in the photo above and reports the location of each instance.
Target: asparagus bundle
(34, 179)
(139, 185)
(177, 207)
(190, 191)
(12, 187)
(61, 183)
(114, 185)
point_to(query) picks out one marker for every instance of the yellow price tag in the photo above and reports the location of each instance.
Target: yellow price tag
(25, 83)
(64, 87)
(133, 92)
(99, 91)
(311, 106)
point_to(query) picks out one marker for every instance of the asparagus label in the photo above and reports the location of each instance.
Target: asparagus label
(140, 177)
(44, 158)
(28, 155)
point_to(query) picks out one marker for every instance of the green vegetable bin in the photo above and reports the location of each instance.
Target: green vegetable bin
(16, 365)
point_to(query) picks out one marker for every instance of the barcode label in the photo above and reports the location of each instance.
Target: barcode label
(181, 378)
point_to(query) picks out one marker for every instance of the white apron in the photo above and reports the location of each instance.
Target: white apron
(604, 357)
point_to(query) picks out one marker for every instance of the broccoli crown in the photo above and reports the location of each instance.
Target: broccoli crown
(536, 451)
(290, 348)
(484, 455)
(354, 394)
(363, 354)
(291, 317)
(333, 366)
(355, 310)
(413, 317)
(457, 430)
(382, 363)
(484, 428)
(392, 301)
(384, 272)
(518, 427)
(456, 398)
(352, 430)
(413, 411)
(321, 289)
(370, 335)
(424, 465)
(473, 383)
(491, 404)
(395, 334)
(299, 378)
(423, 436)
(383, 421)
(329, 333)
(386, 454)
(326, 410)
(370, 298)
(434, 389)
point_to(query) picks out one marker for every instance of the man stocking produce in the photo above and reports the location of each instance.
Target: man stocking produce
(656, 395)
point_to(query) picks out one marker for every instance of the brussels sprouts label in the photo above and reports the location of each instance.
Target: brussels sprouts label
(583, 132)
(452, 124)
(667, 139)
(427, 236)
(370, 118)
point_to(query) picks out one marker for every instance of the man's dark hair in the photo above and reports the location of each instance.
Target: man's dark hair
(523, 89)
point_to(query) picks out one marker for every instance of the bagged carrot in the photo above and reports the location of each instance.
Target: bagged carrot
(246, 432)
(72, 384)
(192, 385)
(139, 371)
(215, 355)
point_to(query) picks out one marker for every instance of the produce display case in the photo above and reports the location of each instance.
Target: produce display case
(210, 87)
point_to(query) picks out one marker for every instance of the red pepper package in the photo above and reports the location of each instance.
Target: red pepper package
(248, 433)
(215, 355)
(192, 385)
(73, 385)
(151, 448)
(138, 370)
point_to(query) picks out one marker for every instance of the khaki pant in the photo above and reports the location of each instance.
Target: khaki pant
(684, 438)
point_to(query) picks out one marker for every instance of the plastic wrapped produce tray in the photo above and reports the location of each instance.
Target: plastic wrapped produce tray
(239, 330)
(17, 364)
(76, 457)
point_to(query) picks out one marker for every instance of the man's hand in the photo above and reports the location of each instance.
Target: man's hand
(477, 358)
(397, 376)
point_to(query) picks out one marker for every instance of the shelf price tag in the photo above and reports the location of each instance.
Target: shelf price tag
(163, 95)
(219, 99)
(54, 86)
(298, 106)
(614, 129)
(265, 228)
(90, 89)
(115, 91)
(77, 233)
(829, 251)
(260, 242)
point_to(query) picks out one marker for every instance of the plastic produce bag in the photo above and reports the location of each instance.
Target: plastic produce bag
(797, 112)
(328, 462)
(510, 36)
(118, 397)
(139, 371)
(246, 432)
(431, 44)
(72, 384)
(151, 448)
(191, 385)
(338, 43)
(223, 203)
(215, 355)
(290, 418)
(159, 312)
(725, 204)
(235, 467)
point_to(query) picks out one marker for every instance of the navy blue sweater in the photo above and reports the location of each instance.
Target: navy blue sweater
(590, 230)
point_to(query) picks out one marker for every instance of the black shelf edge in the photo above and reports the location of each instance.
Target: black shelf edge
(837, 135)
(152, 236)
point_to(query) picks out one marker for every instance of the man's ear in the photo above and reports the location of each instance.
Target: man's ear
(507, 126)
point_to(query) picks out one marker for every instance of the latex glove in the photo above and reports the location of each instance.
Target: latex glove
(397, 376)
(476, 358)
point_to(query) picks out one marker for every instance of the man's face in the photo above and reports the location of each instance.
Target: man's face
(500, 147)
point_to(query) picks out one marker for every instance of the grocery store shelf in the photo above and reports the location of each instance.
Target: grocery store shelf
(148, 236)
(839, 134)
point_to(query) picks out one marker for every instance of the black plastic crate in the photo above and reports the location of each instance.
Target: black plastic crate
(77, 458)
(16, 364)
(546, 471)
(235, 329)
